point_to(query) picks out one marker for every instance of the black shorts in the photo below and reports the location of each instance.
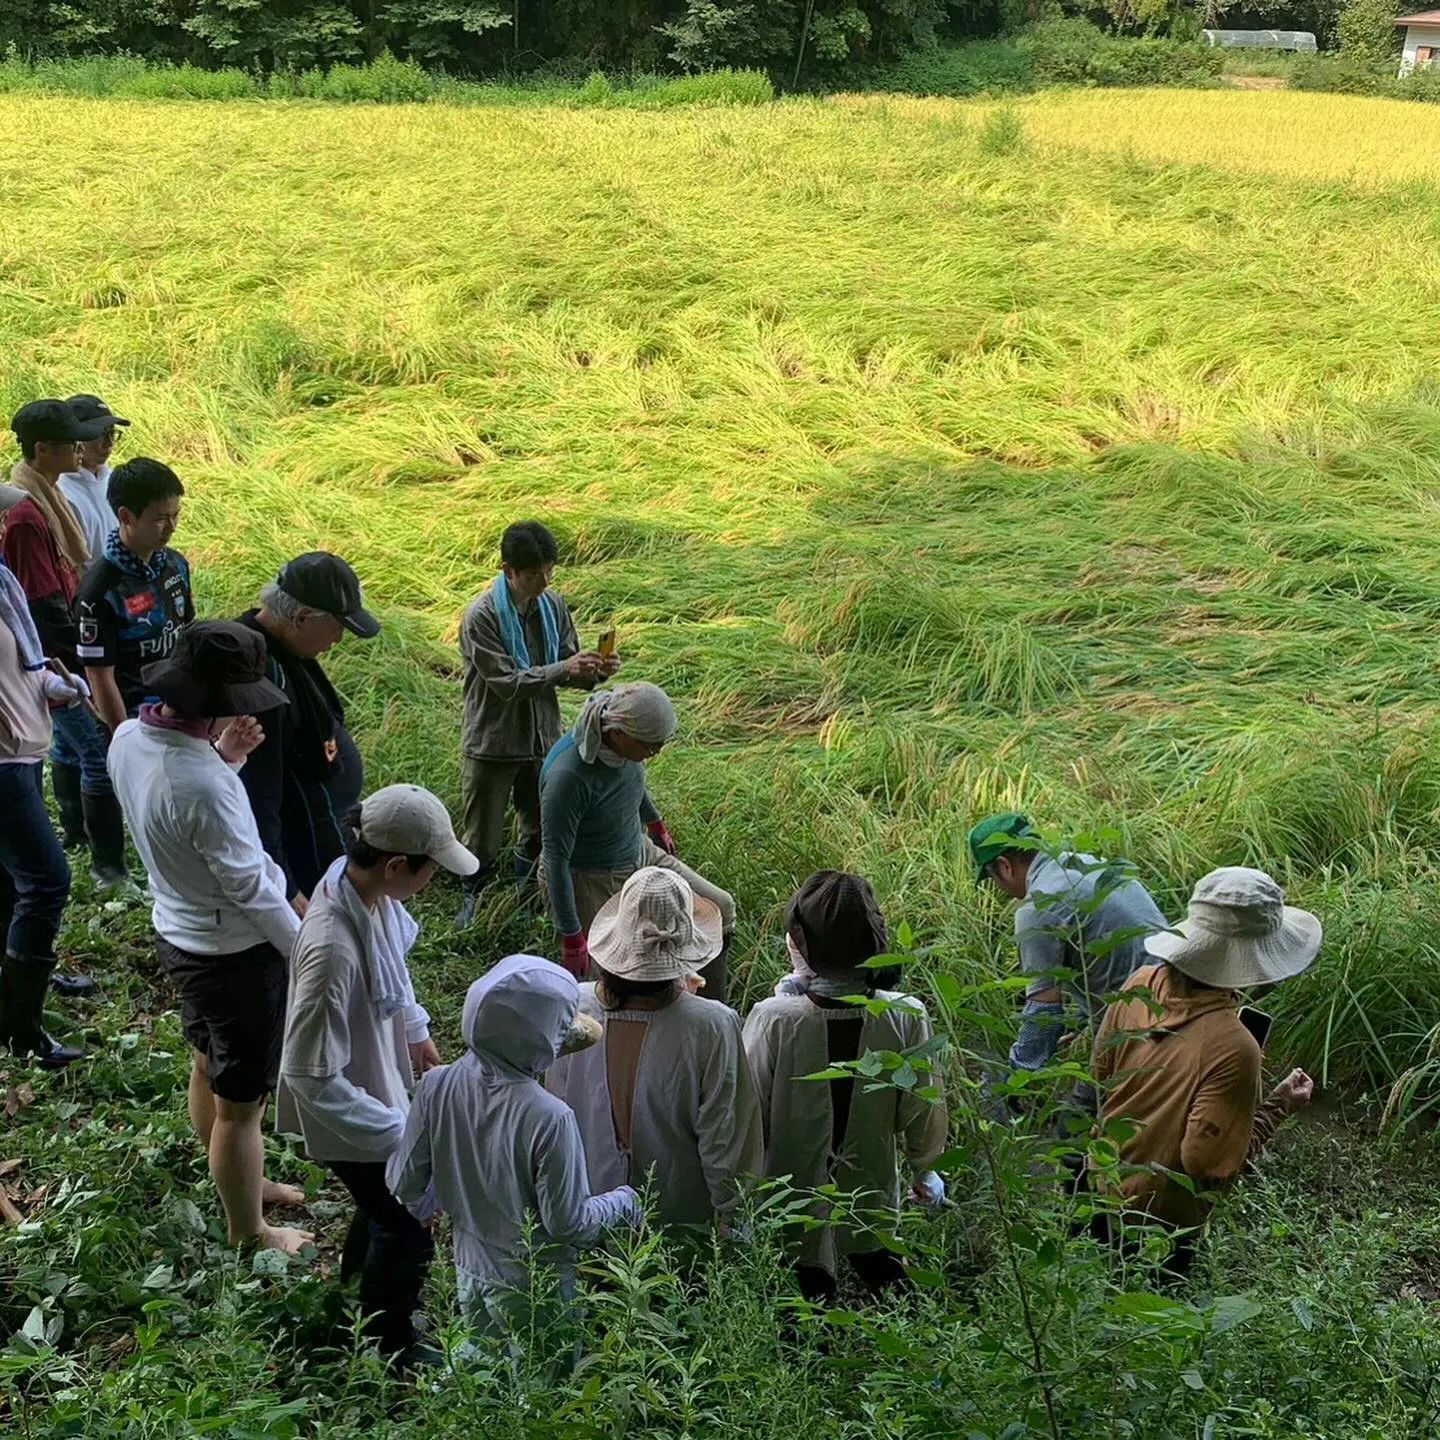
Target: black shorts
(232, 1008)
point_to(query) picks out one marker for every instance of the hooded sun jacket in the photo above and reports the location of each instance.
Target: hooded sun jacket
(499, 1150)
(1186, 1073)
(789, 1037)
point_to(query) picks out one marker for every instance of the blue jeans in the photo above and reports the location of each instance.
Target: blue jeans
(79, 741)
(34, 877)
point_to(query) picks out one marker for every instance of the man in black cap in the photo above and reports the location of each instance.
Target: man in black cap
(86, 486)
(224, 925)
(45, 546)
(307, 773)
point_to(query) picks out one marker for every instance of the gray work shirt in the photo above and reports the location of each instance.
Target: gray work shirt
(510, 713)
(1061, 923)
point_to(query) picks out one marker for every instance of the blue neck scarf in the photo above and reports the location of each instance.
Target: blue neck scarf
(512, 628)
(123, 558)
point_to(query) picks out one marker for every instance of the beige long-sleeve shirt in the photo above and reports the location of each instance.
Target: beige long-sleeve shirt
(787, 1037)
(689, 1114)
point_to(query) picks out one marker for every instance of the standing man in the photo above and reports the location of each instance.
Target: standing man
(223, 924)
(45, 546)
(307, 772)
(599, 824)
(519, 646)
(1078, 914)
(86, 486)
(135, 597)
(34, 876)
(355, 1037)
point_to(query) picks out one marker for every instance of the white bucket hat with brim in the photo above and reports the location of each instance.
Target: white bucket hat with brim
(656, 928)
(1239, 932)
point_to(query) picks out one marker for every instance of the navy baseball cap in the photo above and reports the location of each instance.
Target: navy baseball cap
(325, 582)
(92, 408)
(53, 422)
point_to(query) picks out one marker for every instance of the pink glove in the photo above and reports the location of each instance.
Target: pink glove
(661, 836)
(575, 954)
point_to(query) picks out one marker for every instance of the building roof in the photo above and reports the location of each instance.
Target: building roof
(1425, 17)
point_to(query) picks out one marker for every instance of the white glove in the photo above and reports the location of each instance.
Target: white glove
(929, 1190)
(61, 691)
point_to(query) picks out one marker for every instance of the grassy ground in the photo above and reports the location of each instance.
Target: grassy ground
(932, 473)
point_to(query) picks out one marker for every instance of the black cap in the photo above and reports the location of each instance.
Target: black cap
(835, 922)
(92, 407)
(216, 668)
(325, 582)
(53, 421)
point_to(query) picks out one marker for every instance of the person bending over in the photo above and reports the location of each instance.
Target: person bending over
(599, 824)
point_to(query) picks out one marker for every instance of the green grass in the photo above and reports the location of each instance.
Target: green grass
(933, 469)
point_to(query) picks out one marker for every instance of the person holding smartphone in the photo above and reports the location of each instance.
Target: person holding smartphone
(519, 646)
(1178, 1063)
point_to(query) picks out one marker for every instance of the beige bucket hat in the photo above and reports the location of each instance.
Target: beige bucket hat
(1239, 932)
(656, 928)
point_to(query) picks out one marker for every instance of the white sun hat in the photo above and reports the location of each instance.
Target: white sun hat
(656, 928)
(1239, 932)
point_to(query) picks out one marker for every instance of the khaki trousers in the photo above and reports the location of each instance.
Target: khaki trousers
(486, 787)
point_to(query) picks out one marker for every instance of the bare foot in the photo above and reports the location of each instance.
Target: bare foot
(283, 1237)
(274, 1193)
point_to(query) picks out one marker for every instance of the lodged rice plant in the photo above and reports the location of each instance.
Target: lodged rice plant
(1084, 461)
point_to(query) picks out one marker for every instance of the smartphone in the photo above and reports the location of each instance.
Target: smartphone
(1257, 1022)
(606, 647)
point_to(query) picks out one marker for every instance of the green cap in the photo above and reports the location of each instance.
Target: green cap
(992, 837)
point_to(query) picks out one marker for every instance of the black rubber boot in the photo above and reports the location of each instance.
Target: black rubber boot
(24, 980)
(473, 888)
(71, 985)
(715, 974)
(105, 824)
(65, 782)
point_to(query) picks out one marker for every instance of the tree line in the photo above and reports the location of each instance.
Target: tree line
(789, 38)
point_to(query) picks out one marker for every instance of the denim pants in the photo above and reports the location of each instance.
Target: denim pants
(34, 876)
(388, 1248)
(79, 741)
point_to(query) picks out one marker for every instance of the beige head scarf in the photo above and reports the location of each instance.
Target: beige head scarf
(641, 710)
(64, 527)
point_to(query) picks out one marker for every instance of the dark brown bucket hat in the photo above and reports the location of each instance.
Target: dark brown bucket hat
(216, 668)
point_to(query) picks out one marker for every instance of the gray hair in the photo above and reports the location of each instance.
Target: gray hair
(280, 603)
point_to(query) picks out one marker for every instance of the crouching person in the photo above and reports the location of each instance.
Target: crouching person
(355, 1036)
(1177, 1063)
(839, 1132)
(668, 1091)
(487, 1144)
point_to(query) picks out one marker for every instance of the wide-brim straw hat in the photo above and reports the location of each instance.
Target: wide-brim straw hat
(1239, 932)
(656, 928)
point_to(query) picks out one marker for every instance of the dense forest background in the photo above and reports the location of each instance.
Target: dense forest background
(481, 37)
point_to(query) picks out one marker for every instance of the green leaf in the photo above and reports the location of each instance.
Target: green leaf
(1193, 1379)
(1228, 1311)
(269, 1262)
(158, 1279)
(1303, 1314)
(34, 1327)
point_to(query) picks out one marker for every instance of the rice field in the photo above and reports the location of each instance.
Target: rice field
(1099, 477)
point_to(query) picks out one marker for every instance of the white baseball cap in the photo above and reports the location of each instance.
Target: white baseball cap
(406, 820)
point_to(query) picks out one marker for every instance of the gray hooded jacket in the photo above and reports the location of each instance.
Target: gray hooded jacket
(487, 1144)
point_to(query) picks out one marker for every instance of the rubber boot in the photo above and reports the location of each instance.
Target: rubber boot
(24, 980)
(65, 782)
(715, 974)
(474, 885)
(105, 824)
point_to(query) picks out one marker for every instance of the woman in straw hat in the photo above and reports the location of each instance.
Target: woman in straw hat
(486, 1144)
(839, 1133)
(668, 1093)
(1175, 1061)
